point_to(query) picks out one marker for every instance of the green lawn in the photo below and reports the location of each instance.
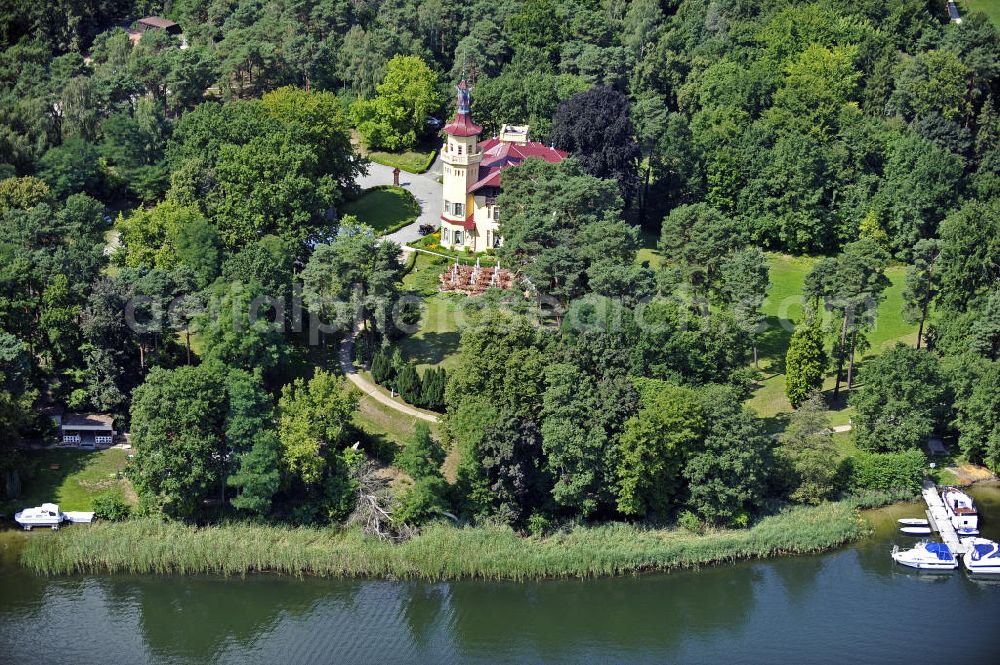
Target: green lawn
(384, 208)
(648, 253)
(435, 342)
(423, 276)
(989, 7)
(386, 426)
(412, 161)
(79, 477)
(783, 308)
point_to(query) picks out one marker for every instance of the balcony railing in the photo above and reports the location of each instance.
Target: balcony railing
(462, 160)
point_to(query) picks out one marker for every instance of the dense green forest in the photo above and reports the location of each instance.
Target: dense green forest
(159, 191)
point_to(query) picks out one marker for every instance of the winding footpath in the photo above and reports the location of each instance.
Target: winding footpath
(427, 191)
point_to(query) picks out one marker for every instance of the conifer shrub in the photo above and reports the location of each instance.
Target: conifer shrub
(408, 384)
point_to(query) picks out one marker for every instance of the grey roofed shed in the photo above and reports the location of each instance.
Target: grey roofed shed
(159, 23)
(87, 421)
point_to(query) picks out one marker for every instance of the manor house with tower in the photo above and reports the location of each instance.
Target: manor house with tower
(472, 176)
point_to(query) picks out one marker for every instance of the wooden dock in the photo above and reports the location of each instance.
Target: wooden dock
(937, 517)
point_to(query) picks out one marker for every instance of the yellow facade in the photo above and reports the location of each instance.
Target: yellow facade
(460, 156)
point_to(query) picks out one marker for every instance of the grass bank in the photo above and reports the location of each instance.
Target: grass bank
(439, 552)
(71, 477)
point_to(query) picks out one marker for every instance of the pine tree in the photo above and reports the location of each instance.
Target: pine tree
(428, 384)
(380, 367)
(805, 363)
(396, 363)
(421, 456)
(432, 390)
(408, 384)
(442, 384)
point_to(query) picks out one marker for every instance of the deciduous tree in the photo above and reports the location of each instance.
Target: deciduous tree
(808, 443)
(421, 455)
(902, 401)
(596, 128)
(397, 116)
(746, 279)
(728, 477)
(178, 430)
(655, 446)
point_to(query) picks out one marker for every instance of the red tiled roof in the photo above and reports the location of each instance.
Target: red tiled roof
(498, 155)
(462, 125)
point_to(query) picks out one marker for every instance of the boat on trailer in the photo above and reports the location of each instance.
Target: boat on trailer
(926, 556)
(47, 514)
(981, 556)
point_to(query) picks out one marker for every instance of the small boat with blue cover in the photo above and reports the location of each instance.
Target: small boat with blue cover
(981, 556)
(926, 556)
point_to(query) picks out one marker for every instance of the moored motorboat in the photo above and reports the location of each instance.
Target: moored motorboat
(926, 556)
(960, 508)
(46, 514)
(981, 556)
(916, 530)
(962, 533)
(912, 521)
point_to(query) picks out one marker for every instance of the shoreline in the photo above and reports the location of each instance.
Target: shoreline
(440, 552)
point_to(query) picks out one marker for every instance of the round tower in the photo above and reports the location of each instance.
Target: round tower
(460, 157)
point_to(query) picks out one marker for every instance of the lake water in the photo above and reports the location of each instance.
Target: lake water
(852, 605)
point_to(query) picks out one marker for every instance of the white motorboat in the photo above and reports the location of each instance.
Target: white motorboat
(981, 556)
(926, 556)
(916, 530)
(912, 521)
(962, 533)
(46, 514)
(961, 509)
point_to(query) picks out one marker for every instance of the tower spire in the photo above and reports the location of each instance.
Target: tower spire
(462, 124)
(462, 101)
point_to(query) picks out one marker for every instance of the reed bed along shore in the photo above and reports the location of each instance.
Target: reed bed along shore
(439, 552)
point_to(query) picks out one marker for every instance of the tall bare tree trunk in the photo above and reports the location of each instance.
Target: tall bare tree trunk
(850, 364)
(923, 317)
(840, 355)
(645, 194)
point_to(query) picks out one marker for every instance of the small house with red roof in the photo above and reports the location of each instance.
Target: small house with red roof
(473, 174)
